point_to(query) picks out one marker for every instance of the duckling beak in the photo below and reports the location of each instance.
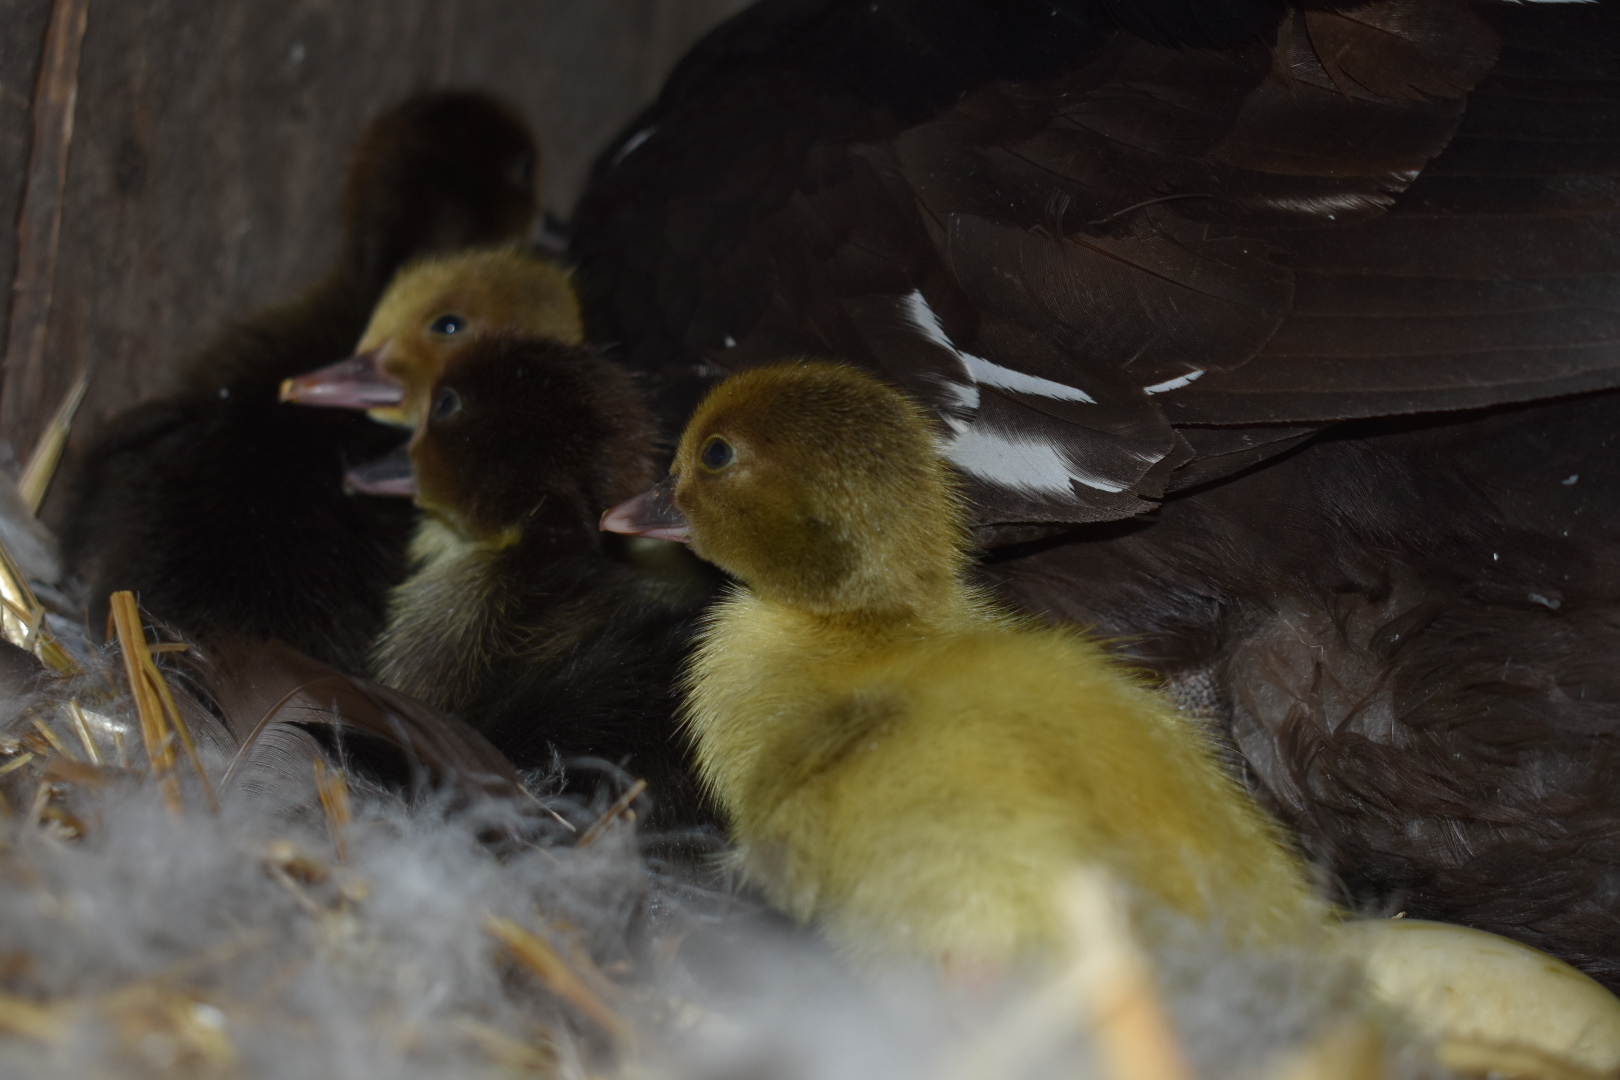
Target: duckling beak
(389, 475)
(652, 513)
(356, 383)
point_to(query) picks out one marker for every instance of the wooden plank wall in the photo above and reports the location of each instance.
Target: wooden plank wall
(208, 139)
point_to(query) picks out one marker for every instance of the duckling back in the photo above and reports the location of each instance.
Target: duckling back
(929, 792)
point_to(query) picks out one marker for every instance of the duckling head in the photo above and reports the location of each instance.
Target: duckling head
(438, 172)
(525, 431)
(820, 487)
(430, 312)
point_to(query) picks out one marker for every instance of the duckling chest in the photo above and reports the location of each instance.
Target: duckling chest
(790, 725)
(781, 717)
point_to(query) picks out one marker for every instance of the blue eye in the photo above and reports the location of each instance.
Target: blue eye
(445, 405)
(448, 324)
(717, 453)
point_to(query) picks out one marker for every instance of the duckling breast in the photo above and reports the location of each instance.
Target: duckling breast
(929, 794)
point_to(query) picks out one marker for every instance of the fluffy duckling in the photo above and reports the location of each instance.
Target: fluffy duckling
(901, 760)
(431, 309)
(226, 513)
(517, 617)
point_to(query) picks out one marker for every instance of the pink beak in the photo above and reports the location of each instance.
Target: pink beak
(653, 513)
(356, 383)
(390, 475)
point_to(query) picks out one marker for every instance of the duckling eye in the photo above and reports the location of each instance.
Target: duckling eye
(445, 405)
(448, 324)
(717, 453)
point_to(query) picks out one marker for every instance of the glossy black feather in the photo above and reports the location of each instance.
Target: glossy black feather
(224, 510)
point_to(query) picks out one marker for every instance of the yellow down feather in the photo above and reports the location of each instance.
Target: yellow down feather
(901, 761)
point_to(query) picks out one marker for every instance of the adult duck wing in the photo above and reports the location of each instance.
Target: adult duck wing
(1094, 237)
(1494, 278)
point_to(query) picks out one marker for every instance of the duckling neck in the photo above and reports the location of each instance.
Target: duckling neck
(764, 660)
(878, 598)
(938, 610)
(815, 636)
(469, 606)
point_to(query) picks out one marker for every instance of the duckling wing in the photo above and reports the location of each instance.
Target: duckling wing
(1121, 249)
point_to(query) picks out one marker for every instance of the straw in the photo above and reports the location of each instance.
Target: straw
(22, 617)
(538, 955)
(333, 788)
(154, 704)
(37, 474)
(82, 727)
(613, 813)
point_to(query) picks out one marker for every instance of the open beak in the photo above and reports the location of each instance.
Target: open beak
(356, 383)
(390, 475)
(652, 513)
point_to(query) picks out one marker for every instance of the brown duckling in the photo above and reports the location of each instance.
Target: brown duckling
(227, 513)
(518, 617)
(431, 309)
(902, 760)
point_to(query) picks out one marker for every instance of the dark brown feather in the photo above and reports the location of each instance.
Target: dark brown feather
(1251, 236)
(274, 699)
(1413, 628)
(1146, 210)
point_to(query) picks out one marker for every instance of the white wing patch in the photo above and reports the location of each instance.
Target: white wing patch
(632, 142)
(989, 374)
(966, 398)
(986, 372)
(1174, 384)
(1007, 459)
(1018, 461)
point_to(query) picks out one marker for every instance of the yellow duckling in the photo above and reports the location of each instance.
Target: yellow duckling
(431, 309)
(902, 761)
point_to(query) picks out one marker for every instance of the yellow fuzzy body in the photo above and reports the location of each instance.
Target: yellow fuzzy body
(901, 761)
(925, 789)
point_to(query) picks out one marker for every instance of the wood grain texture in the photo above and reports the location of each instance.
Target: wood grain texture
(20, 48)
(210, 140)
(39, 221)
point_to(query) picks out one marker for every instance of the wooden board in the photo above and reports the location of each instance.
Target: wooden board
(208, 142)
(21, 42)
